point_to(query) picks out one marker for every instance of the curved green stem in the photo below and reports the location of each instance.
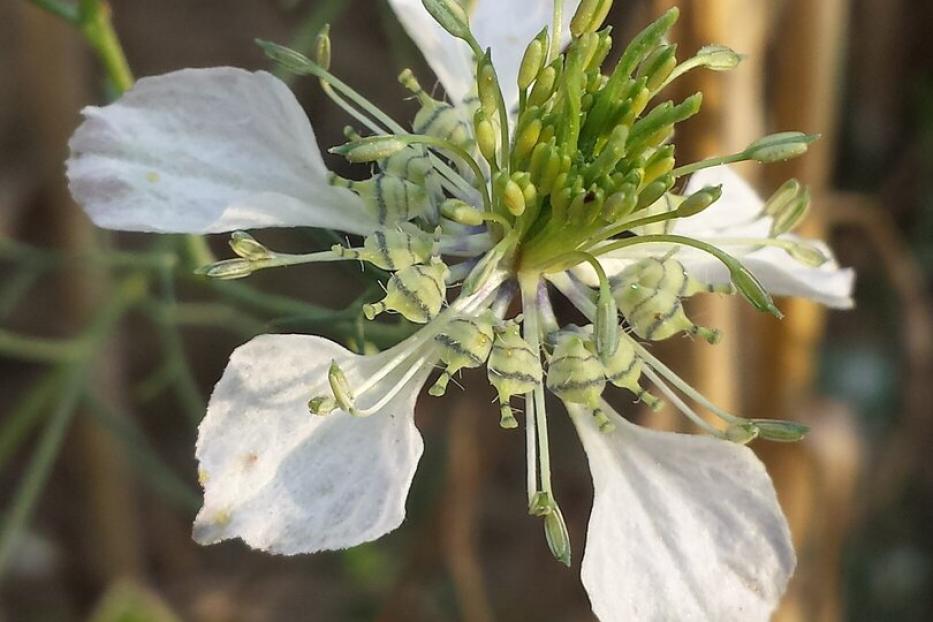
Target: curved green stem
(97, 26)
(65, 10)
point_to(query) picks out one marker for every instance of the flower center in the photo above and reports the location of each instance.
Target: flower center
(502, 196)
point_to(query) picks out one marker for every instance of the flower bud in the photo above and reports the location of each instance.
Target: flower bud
(227, 270)
(543, 87)
(699, 201)
(513, 198)
(539, 158)
(527, 139)
(780, 431)
(589, 16)
(657, 125)
(486, 136)
(782, 197)
(792, 214)
(660, 163)
(370, 149)
(555, 532)
(658, 66)
(807, 254)
(461, 212)
(295, 62)
(533, 60)
(602, 51)
(607, 325)
(719, 57)
(487, 86)
(451, 15)
(246, 246)
(340, 387)
(620, 204)
(322, 48)
(751, 289)
(779, 147)
(638, 99)
(654, 191)
(582, 52)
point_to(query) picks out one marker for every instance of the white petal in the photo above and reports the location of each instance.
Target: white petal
(782, 275)
(286, 481)
(683, 528)
(736, 211)
(206, 151)
(506, 26)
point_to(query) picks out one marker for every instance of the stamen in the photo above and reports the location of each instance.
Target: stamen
(774, 148)
(680, 404)
(715, 57)
(804, 253)
(300, 64)
(741, 277)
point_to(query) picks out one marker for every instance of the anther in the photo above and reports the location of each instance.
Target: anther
(417, 293)
(513, 369)
(466, 343)
(575, 374)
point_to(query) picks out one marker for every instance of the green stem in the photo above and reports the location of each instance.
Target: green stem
(185, 385)
(693, 167)
(724, 257)
(628, 225)
(23, 417)
(148, 463)
(75, 374)
(40, 466)
(97, 26)
(64, 10)
(40, 349)
(213, 315)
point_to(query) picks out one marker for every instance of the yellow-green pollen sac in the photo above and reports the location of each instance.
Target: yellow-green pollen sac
(623, 369)
(436, 118)
(649, 295)
(514, 368)
(466, 343)
(417, 293)
(393, 248)
(411, 163)
(388, 197)
(408, 162)
(576, 375)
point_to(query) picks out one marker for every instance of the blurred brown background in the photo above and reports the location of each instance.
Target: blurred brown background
(110, 531)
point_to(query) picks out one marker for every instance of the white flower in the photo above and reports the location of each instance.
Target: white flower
(683, 527)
